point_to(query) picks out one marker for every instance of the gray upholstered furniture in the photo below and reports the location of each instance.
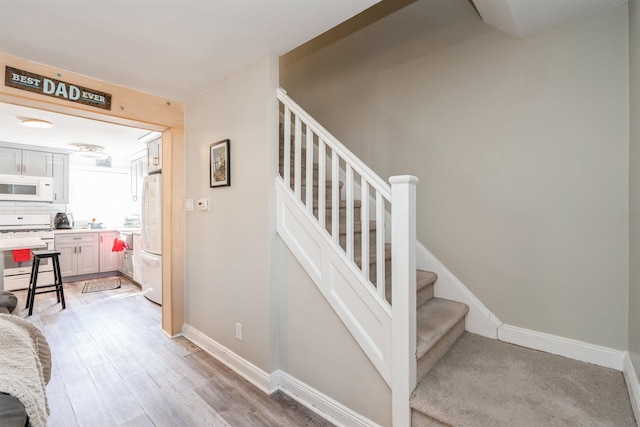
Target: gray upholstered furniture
(8, 302)
(25, 369)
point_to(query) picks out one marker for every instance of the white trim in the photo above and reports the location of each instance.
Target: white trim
(365, 315)
(243, 367)
(633, 385)
(480, 320)
(319, 402)
(313, 399)
(573, 349)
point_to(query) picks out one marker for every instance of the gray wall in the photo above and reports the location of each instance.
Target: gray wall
(634, 184)
(238, 270)
(228, 263)
(521, 147)
(317, 348)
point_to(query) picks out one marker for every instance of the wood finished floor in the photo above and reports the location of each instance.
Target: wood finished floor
(113, 366)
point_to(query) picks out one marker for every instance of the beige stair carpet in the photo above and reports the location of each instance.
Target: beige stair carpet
(485, 382)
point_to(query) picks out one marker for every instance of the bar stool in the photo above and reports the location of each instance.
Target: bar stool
(33, 280)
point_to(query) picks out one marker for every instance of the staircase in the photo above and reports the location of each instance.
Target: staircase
(317, 174)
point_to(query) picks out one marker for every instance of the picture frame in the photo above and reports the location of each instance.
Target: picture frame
(220, 164)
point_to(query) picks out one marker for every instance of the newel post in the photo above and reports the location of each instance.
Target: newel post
(403, 294)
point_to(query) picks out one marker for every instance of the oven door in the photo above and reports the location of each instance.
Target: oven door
(16, 275)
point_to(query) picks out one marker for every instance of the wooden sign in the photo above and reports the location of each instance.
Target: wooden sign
(36, 83)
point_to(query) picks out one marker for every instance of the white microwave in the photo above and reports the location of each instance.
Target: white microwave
(26, 188)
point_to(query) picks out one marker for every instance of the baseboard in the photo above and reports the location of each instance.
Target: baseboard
(633, 386)
(320, 403)
(242, 367)
(480, 320)
(311, 398)
(573, 349)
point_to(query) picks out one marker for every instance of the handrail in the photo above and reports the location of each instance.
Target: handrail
(344, 152)
(334, 162)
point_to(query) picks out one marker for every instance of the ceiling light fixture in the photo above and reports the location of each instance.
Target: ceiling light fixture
(37, 123)
(92, 152)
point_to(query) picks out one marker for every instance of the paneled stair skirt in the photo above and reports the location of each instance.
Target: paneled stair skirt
(101, 285)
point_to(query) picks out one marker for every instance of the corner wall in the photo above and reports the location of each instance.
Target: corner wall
(634, 184)
(521, 147)
(228, 262)
(316, 347)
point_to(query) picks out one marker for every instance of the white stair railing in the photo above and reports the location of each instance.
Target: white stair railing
(382, 320)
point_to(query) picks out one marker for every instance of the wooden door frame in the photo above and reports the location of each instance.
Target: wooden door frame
(137, 109)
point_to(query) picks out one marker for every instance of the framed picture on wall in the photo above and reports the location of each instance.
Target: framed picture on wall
(219, 164)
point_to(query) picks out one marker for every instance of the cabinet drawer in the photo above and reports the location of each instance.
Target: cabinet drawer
(77, 238)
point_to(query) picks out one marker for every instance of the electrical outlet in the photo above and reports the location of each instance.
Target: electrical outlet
(239, 331)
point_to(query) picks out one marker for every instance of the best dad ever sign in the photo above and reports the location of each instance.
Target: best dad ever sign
(36, 83)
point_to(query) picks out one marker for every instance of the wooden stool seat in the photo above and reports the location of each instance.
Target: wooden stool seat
(33, 280)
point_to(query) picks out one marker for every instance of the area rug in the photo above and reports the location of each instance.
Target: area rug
(101, 285)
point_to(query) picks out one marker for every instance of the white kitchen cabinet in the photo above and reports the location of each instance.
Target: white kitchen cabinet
(14, 161)
(108, 260)
(154, 156)
(60, 178)
(79, 253)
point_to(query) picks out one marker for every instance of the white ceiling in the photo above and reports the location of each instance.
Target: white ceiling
(179, 48)
(171, 48)
(68, 132)
(524, 18)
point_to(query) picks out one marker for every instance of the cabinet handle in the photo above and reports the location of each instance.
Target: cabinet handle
(24, 168)
(75, 250)
(79, 249)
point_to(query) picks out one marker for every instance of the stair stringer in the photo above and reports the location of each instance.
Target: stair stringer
(479, 320)
(339, 281)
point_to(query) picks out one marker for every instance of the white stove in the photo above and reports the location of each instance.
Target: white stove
(17, 232)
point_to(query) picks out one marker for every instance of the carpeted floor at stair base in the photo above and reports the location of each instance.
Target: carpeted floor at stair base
(484, 382)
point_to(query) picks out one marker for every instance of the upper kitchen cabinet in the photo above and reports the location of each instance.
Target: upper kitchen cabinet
(14, 161)
(154, 156)
(60, 178)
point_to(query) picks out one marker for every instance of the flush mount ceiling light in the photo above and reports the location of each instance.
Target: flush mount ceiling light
(91, 151)
(36, 123)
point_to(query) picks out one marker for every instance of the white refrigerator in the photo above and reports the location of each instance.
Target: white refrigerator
(151, 236)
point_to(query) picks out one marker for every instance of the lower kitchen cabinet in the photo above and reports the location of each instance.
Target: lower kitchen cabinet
(79, 253)
(109, 261)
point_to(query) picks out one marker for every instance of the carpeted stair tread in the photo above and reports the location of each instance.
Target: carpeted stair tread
(341, 205)
(357, 254)
(434, 319)
(424, 286)
(485, 382)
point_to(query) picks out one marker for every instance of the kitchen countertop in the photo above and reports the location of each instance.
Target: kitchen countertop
(96, 230)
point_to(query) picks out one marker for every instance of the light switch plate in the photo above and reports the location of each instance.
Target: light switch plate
(188, 205)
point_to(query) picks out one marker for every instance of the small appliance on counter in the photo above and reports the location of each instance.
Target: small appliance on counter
(63, 220)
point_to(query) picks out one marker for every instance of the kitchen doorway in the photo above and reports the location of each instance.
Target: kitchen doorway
(138, 110)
